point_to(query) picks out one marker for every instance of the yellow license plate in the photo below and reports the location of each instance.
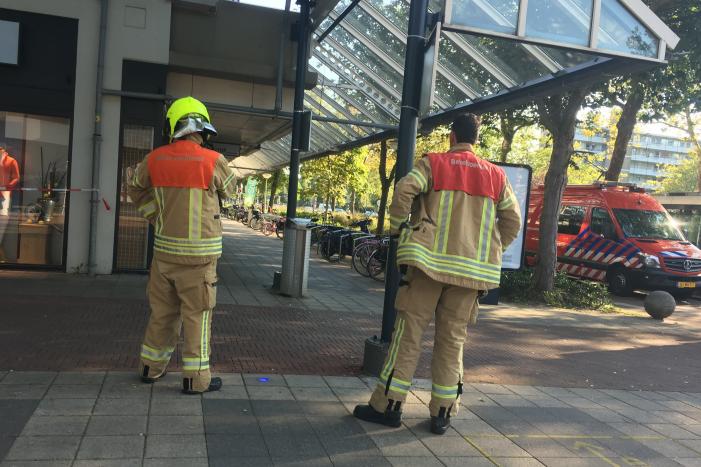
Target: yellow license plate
(683, 285)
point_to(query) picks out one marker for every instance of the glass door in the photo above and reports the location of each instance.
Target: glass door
(132, 248)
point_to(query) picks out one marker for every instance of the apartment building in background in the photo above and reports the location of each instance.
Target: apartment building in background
(651, 152)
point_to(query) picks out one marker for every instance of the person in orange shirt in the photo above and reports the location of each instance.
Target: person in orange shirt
(9, 180)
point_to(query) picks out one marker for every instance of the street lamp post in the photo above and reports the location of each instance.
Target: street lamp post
(265, 191)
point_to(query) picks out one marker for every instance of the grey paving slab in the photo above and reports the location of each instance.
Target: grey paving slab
(109, 463)
(240, 445)
(498, 446)
(305, 381)
(542, 447)
(73, 378)
(191, 406)
(487, 388)
(43, 448)
(314, 394)
(400, 444)
(36, 464)
(111, 447)
(122, 406)
(673, 431)
(240, 462)
(462, 462)
(285, 445)
(52, 407)
(323, 408)
(175, 425)
(517, 462)
(423, 461)
(263, 380)
(73, 391)
(125, 390)
(231, 379)
(450, 446)
(474, 428)
(42, 378)
(176, 446)
(344, 382)
(354, 460)
(352, 394)
(13, 416)
(199, 462)
(302, 461)
(57, 425)
(103, 425)
(22, 391)
(233, 392)
(271, 393)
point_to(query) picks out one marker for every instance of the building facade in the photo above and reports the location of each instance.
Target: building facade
(75, 115)
(650, 153)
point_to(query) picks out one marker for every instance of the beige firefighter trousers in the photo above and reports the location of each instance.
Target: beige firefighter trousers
(180, 296)
(418, 300)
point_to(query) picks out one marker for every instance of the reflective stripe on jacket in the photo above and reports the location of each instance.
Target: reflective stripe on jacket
(177, 188)
(463, 217)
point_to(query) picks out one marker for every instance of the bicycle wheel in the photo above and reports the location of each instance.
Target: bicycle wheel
(360, 258)
(268, 229)
(377, 264)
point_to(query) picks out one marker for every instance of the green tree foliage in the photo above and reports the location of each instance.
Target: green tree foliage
(682, 177)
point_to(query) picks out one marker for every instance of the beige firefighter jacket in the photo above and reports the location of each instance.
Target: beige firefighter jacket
(177, 187)
(452, 236)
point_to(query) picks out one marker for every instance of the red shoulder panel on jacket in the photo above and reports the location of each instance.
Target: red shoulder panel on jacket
(182, 164)
(463, 171)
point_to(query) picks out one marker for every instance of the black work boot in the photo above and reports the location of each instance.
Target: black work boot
(215, 384)
(392, 416)
(441, 423)
(151, 379)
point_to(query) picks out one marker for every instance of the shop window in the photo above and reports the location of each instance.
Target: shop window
(132, 228)
(33, 179)
(570, 220)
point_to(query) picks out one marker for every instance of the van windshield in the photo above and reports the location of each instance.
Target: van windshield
(647, 224)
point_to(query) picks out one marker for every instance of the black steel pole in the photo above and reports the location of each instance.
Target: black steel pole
(406, 141)
(300, 79)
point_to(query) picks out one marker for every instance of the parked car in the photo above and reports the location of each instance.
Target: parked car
(370, 213)
(617, 233)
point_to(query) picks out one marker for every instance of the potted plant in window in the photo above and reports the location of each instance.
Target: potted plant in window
(51, 179)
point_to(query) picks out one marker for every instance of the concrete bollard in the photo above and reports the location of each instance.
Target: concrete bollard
(660, 304)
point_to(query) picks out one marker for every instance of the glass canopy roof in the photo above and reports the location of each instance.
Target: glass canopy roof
(491, 53)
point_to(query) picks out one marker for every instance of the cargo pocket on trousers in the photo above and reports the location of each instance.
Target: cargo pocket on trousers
(210, 290)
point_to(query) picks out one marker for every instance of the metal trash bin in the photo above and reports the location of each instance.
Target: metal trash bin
(295, 258)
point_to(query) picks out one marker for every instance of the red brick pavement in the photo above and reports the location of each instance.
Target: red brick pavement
(90, 334)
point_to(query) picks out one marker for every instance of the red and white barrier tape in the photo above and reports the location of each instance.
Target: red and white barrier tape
(46, 190)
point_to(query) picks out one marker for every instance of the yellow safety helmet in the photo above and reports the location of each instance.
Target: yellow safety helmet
(188, 115)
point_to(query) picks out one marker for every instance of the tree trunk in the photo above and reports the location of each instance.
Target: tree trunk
(508, 131)
(273, 188)
(691, 129)
(352, 204)
(626, 125)
(559, 115)
(386, 183)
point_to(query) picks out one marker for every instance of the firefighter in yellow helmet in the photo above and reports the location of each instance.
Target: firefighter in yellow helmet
(177, 187)
(463, 216)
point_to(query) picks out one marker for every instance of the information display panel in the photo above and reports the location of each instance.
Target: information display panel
(520, 178)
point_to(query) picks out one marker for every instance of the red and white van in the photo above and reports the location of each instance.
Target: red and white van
(619, 234)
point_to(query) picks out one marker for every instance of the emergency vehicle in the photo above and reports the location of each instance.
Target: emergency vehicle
(617, 233)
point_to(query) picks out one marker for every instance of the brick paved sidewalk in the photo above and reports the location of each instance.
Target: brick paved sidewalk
(111, 419)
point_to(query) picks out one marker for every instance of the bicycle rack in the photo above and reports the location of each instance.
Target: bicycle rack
(361, 237)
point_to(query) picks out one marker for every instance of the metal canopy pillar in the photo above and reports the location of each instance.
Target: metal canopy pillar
(406, 144)
(291, 256)
(303, 29)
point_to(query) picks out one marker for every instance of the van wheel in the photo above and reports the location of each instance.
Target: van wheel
(619, 282)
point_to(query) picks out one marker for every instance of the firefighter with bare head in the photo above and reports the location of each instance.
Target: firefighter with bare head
(177, 187)
(455, 214)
